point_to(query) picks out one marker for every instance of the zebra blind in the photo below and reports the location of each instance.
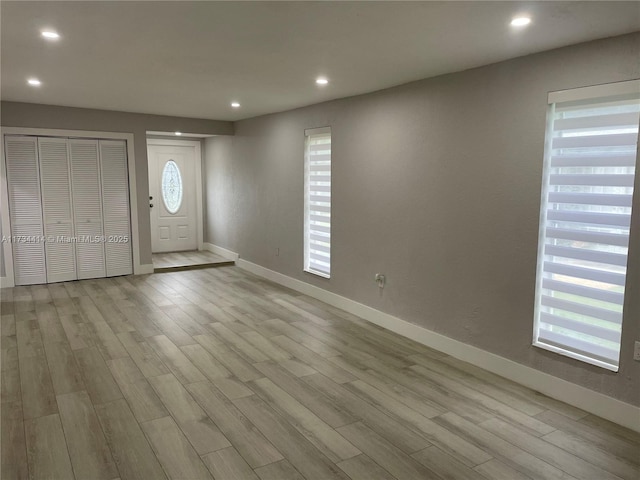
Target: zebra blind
(317, 205)
(588, 183)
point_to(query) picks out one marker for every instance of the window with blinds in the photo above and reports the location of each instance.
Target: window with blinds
(317, 202)
(590, 160)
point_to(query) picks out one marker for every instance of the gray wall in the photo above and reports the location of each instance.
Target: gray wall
(437, 185)
(14, 114)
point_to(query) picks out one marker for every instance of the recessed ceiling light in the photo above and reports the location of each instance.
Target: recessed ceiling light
(50, 34)
(34, 82)
(178, 133)
(235, 104)
(520, 21)
(322, 81)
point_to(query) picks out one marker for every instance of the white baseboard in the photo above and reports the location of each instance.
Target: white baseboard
(601, 405)
(221, 251)
(144, 269)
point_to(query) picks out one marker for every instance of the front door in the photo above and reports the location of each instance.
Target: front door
(172, 198)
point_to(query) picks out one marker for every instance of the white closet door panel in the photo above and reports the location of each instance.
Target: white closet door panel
(54, 179)
(24, 180)
(85, 174)
(119, 260)
(115, 179)
(90, 251)
(29, 265)
(55, 184)
(115, 207)
(87, 208)
(25, 210)
(61, 261)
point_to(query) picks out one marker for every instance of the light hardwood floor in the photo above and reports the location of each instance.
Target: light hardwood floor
(218, 374)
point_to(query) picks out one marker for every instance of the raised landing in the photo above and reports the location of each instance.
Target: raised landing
(178, 261)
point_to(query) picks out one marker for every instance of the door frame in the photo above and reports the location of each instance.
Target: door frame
(8, 280)
(199, 194)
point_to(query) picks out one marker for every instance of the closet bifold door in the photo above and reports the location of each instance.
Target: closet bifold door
(57, 211)
(87, 208)
(115, 207)
(25, 210)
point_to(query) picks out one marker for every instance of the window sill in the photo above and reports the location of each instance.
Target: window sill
(577, 356)
(316, 273)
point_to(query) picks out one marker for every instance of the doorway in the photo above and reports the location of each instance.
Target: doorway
(175, 195)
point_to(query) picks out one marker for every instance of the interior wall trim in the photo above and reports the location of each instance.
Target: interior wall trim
(591, 401)
(145, 269)
(221, 251)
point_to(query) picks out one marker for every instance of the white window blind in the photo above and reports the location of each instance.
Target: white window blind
(317, 205)
(589, 174)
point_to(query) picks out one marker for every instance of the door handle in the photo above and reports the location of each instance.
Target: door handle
(151, 205)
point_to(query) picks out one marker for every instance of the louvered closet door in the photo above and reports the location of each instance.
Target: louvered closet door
(57, 211)
(25, 210)
(115, 207)
(87, 208)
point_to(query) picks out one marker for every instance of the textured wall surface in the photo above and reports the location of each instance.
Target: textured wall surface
(437, 185)
(13, 114)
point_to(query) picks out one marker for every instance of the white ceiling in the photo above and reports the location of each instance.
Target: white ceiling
(193, 58)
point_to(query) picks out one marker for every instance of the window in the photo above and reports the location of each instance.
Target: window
(317, 202)
(589, 174)
(171, 187)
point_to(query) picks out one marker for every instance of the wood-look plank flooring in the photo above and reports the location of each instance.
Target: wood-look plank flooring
(216, 373)
(178, 261)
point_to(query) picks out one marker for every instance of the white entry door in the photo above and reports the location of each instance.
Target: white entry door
(173, 197)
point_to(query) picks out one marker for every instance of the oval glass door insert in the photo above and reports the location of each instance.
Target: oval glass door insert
(171, 187)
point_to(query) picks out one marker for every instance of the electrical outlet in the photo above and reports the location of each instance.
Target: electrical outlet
(636, 351)
(380, 279)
